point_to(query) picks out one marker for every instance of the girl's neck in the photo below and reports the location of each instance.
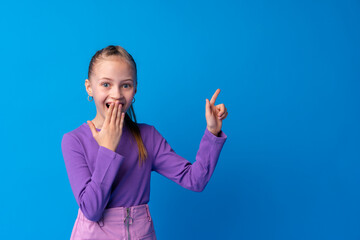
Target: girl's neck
(99, 122)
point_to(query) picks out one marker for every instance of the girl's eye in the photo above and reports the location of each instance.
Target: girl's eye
(107, 84)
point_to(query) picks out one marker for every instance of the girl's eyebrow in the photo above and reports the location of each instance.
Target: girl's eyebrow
(112, 80)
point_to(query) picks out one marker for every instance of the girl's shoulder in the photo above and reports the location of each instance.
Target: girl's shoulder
(145, 129)
(148, 131)
(81, 132)
(144, 126)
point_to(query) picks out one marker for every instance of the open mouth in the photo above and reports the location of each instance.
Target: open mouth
(108, 104)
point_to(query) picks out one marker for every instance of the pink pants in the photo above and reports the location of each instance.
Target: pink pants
(117, 223)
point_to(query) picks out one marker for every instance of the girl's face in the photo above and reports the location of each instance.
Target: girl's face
(112, 80)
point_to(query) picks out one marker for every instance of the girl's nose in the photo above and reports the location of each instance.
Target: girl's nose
(116, 94)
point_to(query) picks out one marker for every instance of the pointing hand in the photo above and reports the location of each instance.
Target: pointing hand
(215, 114)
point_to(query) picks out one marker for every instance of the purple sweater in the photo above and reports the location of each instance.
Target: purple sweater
(101, 178)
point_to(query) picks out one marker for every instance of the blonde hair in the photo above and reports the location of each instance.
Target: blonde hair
(130, 118)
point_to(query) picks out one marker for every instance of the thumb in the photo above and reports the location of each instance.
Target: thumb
(92, 128)
(207, 106)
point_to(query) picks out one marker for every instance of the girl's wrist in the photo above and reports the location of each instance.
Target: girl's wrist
(216, 133)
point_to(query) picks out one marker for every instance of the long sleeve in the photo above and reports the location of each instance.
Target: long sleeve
(176, 168)
(91, 191)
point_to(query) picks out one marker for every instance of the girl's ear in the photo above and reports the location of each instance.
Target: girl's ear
(88, 87)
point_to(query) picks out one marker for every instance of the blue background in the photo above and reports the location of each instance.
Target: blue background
(289, 76)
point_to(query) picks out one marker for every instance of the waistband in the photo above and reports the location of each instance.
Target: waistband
(120, 214)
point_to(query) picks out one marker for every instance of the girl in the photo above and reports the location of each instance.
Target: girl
(109, 160)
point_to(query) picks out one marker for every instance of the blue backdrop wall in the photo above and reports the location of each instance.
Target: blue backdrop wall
(289, 76)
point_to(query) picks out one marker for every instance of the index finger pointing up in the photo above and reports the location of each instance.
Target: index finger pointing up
(213, 99)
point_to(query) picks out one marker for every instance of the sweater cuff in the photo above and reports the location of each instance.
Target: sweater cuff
(107, 166)
(221, 136)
